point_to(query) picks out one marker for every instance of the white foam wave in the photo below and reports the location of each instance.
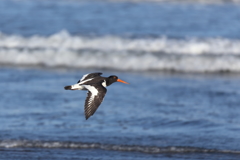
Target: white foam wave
(63, 49)
(109, 147)
(186, 1)
(173, 1)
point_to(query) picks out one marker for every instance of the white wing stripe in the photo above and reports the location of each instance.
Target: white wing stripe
(92, 89)
(85, 81)
(84, 76)
(90, 100)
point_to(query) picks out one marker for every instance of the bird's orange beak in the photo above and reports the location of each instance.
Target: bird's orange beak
(119, 80)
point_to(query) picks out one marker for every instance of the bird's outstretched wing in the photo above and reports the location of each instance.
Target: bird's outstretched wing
(89, 75)
(95, 95)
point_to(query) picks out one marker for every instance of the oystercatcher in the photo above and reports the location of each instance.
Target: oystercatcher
(96, 86)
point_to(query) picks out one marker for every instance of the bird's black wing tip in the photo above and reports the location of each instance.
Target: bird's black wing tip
(97, 74)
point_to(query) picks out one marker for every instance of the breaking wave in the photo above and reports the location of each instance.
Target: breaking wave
(126, 148)
(112, 52)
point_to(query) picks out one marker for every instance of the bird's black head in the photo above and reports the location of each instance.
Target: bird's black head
(113, 78)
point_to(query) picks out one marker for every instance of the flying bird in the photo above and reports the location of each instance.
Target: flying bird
(96, 86)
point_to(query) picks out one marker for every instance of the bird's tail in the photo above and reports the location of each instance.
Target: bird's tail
(75, 87)
(68, 87)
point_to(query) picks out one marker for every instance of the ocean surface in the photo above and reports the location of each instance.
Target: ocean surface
(181, 58)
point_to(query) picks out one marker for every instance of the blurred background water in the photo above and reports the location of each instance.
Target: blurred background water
(181, 59)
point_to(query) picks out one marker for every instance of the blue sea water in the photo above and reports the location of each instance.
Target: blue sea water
(181, 60)
(156, 116)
